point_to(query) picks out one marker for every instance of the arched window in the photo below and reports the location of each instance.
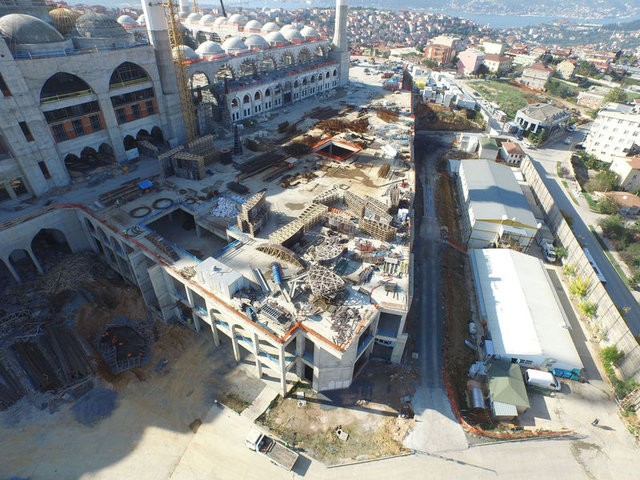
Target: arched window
(63, 85)
(257, 96)
(127, 74)
(267, 92)
(235, 103)
(246, 99)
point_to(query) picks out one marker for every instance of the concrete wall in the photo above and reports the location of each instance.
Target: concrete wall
(608, 324)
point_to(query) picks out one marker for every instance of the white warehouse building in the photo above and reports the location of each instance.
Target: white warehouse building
(496, 210)
(524, 318)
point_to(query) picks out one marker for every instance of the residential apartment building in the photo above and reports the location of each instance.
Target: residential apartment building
(497, 64)
(441, 54)
(628, 171)
(536, 76)
(469, 61)
(615, 130)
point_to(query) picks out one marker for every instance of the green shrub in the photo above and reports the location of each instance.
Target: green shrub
(579, 286)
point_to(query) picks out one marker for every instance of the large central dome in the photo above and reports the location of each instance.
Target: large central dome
(19, 28)
(99, 25)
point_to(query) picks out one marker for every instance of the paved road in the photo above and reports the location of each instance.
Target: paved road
(437, 429)
(545, 161)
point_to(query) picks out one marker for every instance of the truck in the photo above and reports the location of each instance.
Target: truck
(270, 448)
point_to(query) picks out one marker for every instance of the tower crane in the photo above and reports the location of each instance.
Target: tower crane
(175, 42)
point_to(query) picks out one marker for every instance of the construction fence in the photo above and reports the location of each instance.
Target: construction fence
(608, 324)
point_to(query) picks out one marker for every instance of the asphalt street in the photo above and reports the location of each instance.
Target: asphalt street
(545, 161)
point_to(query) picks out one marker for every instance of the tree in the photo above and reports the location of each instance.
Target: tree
(613, 227)
(607, 206)
(482, 70)
(604, 181)
(616, 95)
(587, 69)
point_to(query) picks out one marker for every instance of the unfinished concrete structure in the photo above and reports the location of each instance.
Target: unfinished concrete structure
(301, 289)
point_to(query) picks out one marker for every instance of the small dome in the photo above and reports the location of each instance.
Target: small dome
(270, 27)
(253, 25)
(126, 20)
(64, 19)
(275, 38)
(234, 44)
(207, 19)
(220, 20)
(25, 29)
(309, 32)
(287, 27)
(187, 52)
(142, 20)
(194, 17)
(292, 35)
(256, 41)
(237, 18)
(209, 48)
(99, 25)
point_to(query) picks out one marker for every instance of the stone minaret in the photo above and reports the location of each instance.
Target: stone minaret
(159, 37)
(340, 45)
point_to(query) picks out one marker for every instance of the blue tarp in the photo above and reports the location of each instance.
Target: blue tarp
(145, 184)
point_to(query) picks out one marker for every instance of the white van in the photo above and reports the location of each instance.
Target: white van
(549, 252)
(540, 379)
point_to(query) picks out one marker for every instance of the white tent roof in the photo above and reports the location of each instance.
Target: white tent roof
(522, 310)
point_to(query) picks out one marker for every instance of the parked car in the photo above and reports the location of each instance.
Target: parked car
(540, 379)
(567, 141)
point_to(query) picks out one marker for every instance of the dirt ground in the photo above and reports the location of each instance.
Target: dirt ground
(456, 299)
(368, 411)
(151, 401)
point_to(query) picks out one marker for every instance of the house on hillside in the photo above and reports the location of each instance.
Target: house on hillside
(628, 171)
(538, 117)
(536, 76)
(511, 153)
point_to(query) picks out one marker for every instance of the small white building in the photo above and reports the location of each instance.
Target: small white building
(496, 212)
(525, 320)
(628, 171)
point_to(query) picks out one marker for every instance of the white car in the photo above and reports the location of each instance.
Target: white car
(567, 141)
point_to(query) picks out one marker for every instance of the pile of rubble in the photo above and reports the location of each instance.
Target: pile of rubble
(224, 208)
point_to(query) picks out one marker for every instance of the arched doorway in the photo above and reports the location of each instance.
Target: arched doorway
(156, 136)
(22, 263)
(129, 143)
(49, 246)
(6, 277)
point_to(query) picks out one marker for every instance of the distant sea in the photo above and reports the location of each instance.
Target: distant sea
(494, 21)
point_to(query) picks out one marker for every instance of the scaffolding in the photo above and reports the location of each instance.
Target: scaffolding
(281, 253)
(254, 214)
(171, 10)
(378, 230)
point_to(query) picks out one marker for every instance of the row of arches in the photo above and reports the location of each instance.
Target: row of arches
(63, 85)
(90, 158)
(249, 104)
(46, 248)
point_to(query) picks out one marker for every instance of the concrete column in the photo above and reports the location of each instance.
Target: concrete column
(36, 262)
(214, 332)
(13, 271)
(234, 343)
(196, 321)
(189, 296)
(256, 350)
(112, 127)
(283, 372)
(9, 189)
(300, 342)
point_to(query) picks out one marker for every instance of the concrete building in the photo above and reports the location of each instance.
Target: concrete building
(565, 69)
(469, 61)
(496, 212)
(497, 64)
(526, 323)
(488, 148)
(493, 48)
(536, 76)
(57, 126)
(628, 170)
(524, 59)
(454, 42)
(539, 117)
(441, 54)
(511, 153)
(615, 130)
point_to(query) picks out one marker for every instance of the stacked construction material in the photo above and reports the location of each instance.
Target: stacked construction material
(124, 345)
